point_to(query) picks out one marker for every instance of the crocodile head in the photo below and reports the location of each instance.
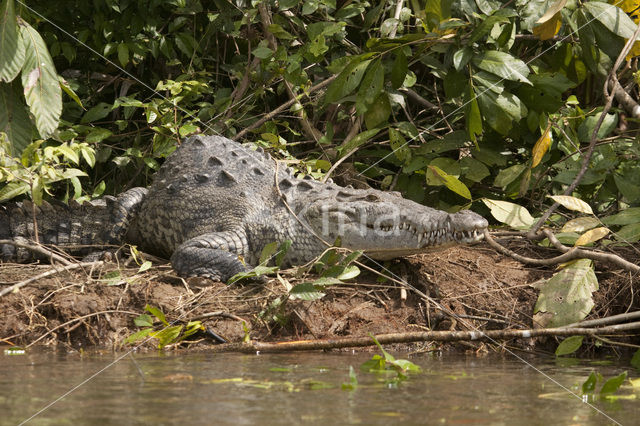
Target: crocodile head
(386, 226)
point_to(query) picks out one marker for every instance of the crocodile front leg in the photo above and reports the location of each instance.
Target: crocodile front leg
(213, 255)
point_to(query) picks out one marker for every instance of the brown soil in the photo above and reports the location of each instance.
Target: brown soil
(486, 290)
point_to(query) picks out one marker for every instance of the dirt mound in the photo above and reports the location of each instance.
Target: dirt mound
(468, 288)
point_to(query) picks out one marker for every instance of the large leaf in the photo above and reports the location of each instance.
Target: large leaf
(572, 203)
(549, 24)
(472, 115)
(592, 236)
(372, 83)
(504, 65)
(15, 122)
(40, 82)
(348, 79)
(541, 146)
(501, 110)
(612, 17)
(513, 215)
(379, 112)
(11, 47)
(625, 217)
(451, 182)
(567, 296)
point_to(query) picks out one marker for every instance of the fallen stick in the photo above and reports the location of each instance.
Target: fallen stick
(570, 253)
(48, 273)
(422, 336)
(39, 249)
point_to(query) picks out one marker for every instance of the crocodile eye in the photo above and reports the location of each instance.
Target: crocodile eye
(372, 197)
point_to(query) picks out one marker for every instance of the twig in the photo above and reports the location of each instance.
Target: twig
(337, 163)
(421, 336)
(613, 319)
(80, 319)
(54, 271)
(570, 253)
(283, 107)
(594, 136)
(39, 249)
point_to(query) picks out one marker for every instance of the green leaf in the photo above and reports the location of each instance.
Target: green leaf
(585, 130)
(267, 252)
(306, 291)
(399, 70)
(613, 384)
(145, 266)
(156, 313)
(625, 217)
(372, 83)
(472, 115)
(69, 91)
(569, 345)
(282, 252)
(262, 52)
(451, 182)
(96, 113)
(473, 169)
(15, 122)
(187, 129)
(635, 360)
(462, 58)
(356, 141)
(399, 146)
(348, 79)
(349, 272)
(512, 214)
(612, 17)
(11, 45)
(167, 335)
(68, 153)
(629, 233)
(40, 83)
(352, 384)
(503, 65)
(379, 112)
(98, 135)
(501, 110)
(629, 189)
(567, 296)
(144, 320)
(508, 175)
(137, 336)
(13, 189)
(589, 385)
(123, 54)
(37, 190)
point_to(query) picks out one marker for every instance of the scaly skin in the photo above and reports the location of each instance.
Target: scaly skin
(215, 200)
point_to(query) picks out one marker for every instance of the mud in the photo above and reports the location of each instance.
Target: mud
(483, 289)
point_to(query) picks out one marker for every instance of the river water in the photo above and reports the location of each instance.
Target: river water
(42, 388)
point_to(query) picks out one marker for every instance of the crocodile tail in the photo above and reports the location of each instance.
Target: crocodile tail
(74, 228)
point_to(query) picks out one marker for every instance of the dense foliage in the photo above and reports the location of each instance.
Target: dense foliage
(446, 101)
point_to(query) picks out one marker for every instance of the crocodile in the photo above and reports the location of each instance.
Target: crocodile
(215, 203)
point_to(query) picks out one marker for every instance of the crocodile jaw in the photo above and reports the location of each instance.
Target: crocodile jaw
(387, 226)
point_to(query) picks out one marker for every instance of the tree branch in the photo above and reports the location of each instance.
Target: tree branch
(424, 336)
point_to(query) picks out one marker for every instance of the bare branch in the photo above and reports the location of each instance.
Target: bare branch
(423, 336)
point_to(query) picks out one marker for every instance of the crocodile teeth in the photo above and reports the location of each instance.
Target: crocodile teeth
(420, 237)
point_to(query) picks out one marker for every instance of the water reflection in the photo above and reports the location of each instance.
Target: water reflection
(296, 388)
